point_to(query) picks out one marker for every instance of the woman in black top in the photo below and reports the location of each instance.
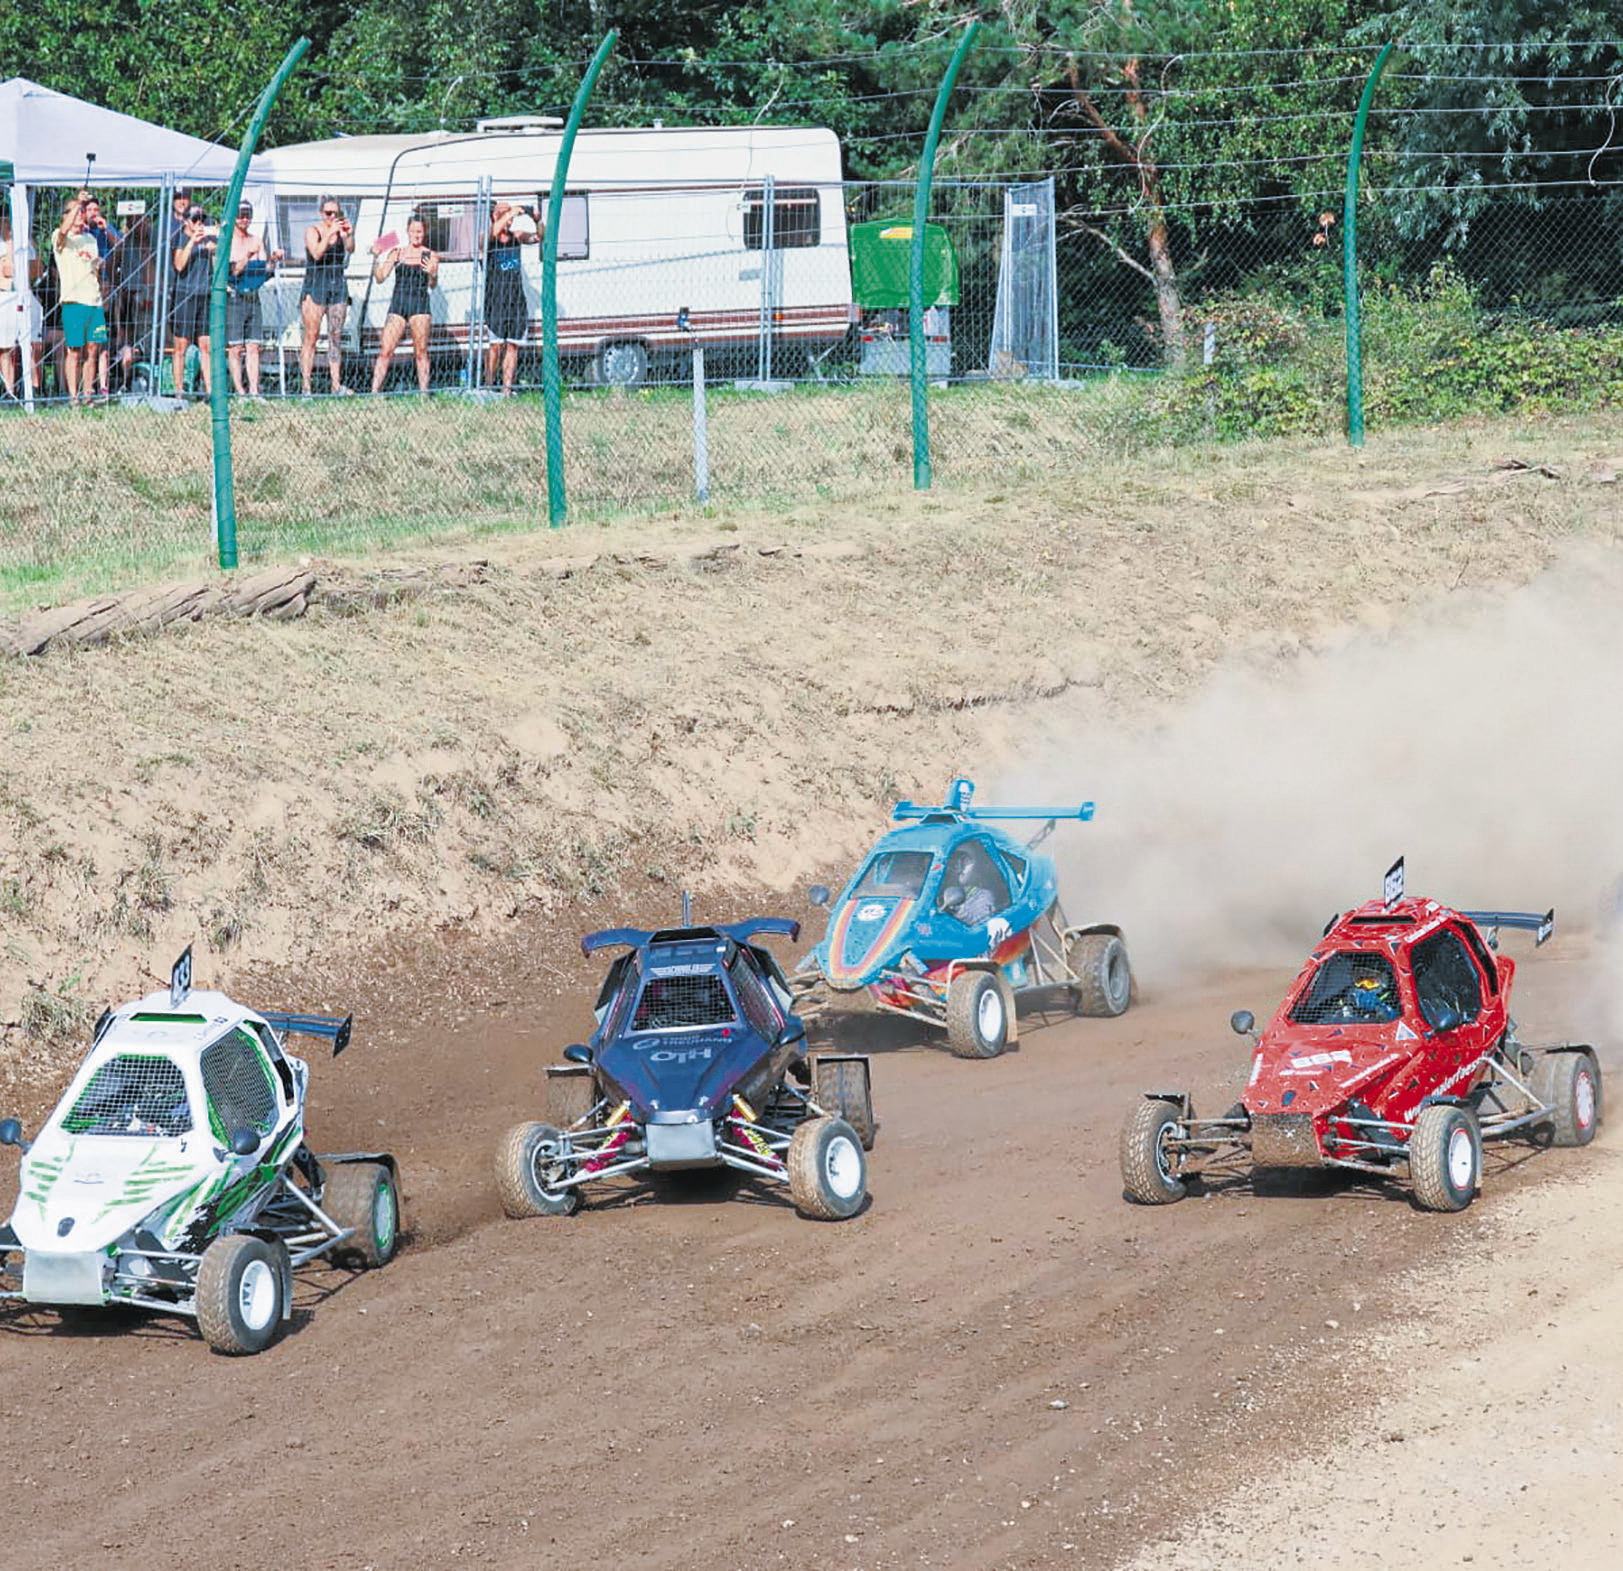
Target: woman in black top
(327, 244)
(415, 268)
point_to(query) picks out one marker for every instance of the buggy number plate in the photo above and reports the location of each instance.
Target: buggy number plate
(63, 1279)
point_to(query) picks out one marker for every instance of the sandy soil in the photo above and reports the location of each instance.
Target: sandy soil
(999, 1363)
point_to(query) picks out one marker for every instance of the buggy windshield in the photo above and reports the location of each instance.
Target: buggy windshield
(895, 873)
(133, 1094)
(1350, 987)
(670, 1002)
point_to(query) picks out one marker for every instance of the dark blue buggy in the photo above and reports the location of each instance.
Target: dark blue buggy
(698, 1061)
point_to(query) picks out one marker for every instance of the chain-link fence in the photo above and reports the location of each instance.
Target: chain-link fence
(746, 340)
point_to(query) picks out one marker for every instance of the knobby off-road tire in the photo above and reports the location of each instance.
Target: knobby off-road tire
(977, 1016)
(241, 1287)
(521, 1187)
(1569, 1084)
(842, 1089)
(570, 1098)
(1104, 977)
(828, 1174)
(1445, 1157)
(362, 1198)
(1149, 1170)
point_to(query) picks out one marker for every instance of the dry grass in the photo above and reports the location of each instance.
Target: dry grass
(108, 498)
(268, 790)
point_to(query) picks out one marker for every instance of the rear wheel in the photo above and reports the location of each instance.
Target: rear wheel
(828, 1174)
(1151, 1169)
(977, 1016)
(842, 1089)
(241, 1288)
(1104, 979)
(1445, 1157)
(570, 1098)
(362, 1198)
(528, 1168)
(1569, 1085)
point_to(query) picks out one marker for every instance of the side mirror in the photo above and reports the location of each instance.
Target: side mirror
(1242, 1022)
(818, 895)
(578, 1054)
(11, 1132)
(244, 1142)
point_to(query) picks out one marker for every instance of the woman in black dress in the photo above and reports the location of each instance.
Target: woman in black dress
(415, 269)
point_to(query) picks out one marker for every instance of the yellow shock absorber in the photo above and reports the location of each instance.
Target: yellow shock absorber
(620, 1113)
(757, 1144)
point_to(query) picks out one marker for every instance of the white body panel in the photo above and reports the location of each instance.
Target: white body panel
(655, 221)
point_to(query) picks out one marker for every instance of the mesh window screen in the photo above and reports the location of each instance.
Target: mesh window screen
(669, 1002)
(754, 999)
(1350, 987)
(133, 1094)
(238, 1086)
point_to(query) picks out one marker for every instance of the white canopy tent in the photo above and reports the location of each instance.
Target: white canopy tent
(54, 139)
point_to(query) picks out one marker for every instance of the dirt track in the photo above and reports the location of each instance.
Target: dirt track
(1280, 671)
(712, 1381)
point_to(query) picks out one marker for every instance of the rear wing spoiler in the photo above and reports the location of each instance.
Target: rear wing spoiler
(1540, 926)
(329, 1026)
(739, 932)
(957, 805)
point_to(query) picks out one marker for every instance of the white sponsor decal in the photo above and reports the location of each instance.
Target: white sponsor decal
(683, 1055)
(870, 913)
(1322, 1060)
(997, 930)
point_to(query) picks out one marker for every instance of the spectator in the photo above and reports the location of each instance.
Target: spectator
(251, 266)
(507, 312)
(84, 324)
(130, 302)
(109, 244)
(327, 244)
(415, 268)
(193, 260)
(19, 312)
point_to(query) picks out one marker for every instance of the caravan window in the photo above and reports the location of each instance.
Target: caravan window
(295, 214)
(797, 217)
(574, 229)
(450, 227)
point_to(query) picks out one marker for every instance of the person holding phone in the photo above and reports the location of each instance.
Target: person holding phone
(327, 245)
(415, 270)
(193, 262)
(84, 324)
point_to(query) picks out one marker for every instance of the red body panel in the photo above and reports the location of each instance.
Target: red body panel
(1378, 1070)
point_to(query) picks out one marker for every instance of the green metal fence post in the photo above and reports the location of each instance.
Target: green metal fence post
(551, 376)
(1349, 259)
(225, 502)
(915, 279)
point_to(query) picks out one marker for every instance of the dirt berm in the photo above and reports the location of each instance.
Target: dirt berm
(1273, 668)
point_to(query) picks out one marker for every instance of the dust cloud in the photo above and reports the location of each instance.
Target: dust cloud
(1485, 746)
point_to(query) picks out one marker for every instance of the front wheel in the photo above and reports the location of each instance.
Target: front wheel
(977, 1016)
(828, 1174)
(1151, 1169)
(363, 1199)
(241, 1293)
(1104, 979)
(1569, 1085)
(1445, 1157)
(529, 1166)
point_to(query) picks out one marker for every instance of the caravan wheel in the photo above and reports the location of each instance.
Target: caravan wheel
(621, 365)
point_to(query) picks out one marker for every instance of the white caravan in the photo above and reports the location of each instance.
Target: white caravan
(734, 237)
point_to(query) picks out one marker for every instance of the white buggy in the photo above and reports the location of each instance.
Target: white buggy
(174, 1175)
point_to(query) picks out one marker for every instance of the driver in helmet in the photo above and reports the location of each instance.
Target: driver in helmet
(1372, 996)
(962, 893)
